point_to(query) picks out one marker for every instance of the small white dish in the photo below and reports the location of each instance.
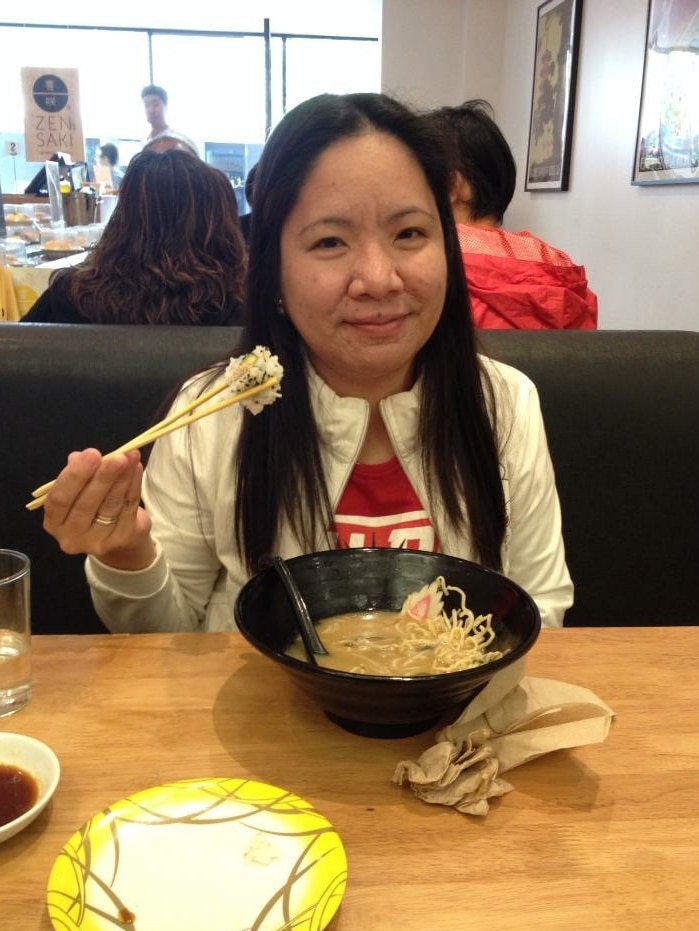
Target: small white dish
(37, 760)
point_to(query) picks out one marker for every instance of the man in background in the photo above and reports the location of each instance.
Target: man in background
(155, 104)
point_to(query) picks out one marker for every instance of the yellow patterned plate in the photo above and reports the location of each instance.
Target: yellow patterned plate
(213, 854)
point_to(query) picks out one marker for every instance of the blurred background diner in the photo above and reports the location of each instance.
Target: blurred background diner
(172, 252)
(516, 281)
(108, 158)
(246, 218)
(171, 140)
(155, 105)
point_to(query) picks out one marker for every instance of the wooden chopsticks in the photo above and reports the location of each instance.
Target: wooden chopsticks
(189, 414)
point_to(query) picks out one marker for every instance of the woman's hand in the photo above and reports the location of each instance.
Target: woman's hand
(94, 508)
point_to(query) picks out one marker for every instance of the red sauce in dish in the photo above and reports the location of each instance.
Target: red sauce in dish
(18, 793)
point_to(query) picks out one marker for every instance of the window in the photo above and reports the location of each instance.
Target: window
(216, 83)
(303, 67)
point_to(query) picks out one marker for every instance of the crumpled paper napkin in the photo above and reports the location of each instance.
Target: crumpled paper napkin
(514, 719)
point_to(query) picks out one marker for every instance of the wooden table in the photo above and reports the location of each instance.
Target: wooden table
(603, 837)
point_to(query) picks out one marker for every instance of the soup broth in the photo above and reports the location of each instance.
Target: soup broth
(391, 643)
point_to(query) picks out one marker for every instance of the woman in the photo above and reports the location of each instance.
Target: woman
(390, 426)
(515, 280)
(172, 252)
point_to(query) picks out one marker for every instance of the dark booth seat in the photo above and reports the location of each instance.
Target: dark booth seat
(621, 411)
(65, 387)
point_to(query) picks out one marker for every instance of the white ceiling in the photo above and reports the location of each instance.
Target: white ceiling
(359, 17)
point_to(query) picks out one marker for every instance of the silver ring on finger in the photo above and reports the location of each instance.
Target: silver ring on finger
(105, 521)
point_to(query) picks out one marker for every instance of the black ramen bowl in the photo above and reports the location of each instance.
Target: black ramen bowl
(340, 581)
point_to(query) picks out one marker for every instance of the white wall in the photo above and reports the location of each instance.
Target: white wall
(426, 56)
(639, 244)
(422, 49)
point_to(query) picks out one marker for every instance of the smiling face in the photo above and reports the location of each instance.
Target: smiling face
(363, 266)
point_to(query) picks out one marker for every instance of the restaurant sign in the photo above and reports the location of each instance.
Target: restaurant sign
(52, 120)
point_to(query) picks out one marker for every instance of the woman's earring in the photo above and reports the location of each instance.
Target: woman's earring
(281, 310)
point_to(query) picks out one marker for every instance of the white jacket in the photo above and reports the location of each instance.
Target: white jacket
(189, 489)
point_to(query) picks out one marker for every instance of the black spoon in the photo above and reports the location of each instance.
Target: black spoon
(309, 634)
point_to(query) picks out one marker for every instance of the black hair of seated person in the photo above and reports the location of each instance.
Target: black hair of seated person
(476, 148)
(172, 250)
(250, 185)
(110, 152)
(246, 218)
(154, 90)
(170, 140)
(279, 477)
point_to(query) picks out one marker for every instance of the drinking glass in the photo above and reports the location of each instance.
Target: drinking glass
(15, 633)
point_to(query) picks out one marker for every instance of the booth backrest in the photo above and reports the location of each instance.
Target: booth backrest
(65, 387)
(622, 418)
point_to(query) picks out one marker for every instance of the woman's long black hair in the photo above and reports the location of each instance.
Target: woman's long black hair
(280, 474)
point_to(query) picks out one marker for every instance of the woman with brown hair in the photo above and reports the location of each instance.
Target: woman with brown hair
(172, 252)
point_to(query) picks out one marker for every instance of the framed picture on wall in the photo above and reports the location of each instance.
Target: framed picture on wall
(553, 95)
(667, 141)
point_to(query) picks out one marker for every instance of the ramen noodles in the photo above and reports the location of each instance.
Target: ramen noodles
(421, 639)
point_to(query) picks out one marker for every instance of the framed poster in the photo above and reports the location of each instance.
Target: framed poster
(553, 95)
(667, 141)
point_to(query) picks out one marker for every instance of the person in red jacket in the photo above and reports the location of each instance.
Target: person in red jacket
(515, 280)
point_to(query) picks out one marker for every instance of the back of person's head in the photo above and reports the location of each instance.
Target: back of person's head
(170, 140)
(110, 152)
(477, 149)
(153, 90)
(172, 250)
(289, 156)
(250, 184)
(175, 189)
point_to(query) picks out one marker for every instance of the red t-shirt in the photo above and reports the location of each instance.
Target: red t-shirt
(379, 507)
